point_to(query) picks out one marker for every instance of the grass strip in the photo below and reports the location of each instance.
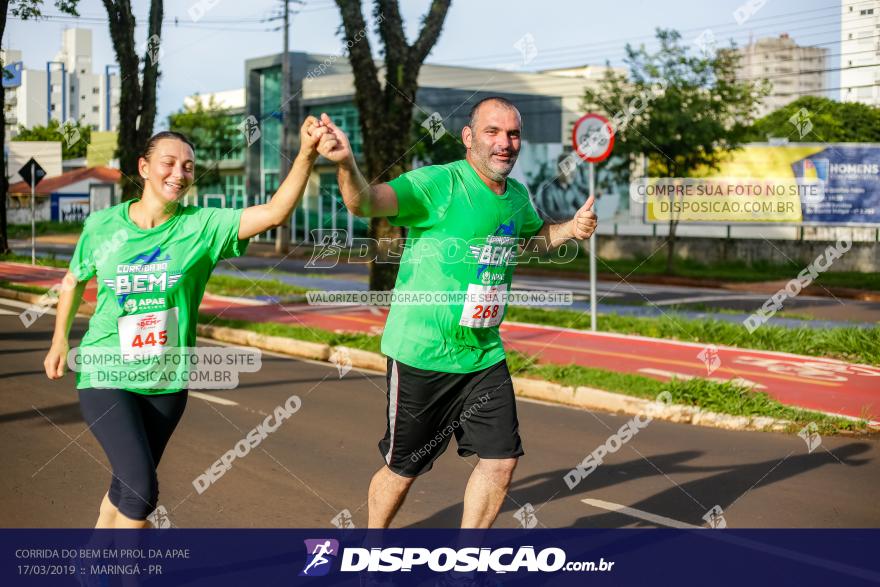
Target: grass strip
(858, 345)
(725, 398)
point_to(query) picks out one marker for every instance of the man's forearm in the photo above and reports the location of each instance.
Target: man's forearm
(356, 192)
(550, 237)
(560, 234)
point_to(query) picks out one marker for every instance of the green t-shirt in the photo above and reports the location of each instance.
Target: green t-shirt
(462, 239)
(150, 285)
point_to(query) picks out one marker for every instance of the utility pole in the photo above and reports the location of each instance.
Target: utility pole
(282, 236)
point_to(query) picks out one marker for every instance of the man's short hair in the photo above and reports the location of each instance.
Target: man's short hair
(472, 120)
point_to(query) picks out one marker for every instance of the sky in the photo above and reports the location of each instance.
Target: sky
(208, 55)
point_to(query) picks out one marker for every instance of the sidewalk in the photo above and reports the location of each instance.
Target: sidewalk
(814, 383)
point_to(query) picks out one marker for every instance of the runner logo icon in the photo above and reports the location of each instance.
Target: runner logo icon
(319, 556)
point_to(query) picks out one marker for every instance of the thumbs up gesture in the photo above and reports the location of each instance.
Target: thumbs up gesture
(584, 221)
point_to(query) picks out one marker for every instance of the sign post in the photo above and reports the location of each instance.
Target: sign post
(33, 173)
(592, 139)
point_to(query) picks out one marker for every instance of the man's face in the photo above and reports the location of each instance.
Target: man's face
(494, 141)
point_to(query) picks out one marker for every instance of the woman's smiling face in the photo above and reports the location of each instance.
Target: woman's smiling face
(168, 170)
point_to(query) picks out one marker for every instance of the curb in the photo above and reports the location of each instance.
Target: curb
(581, 397)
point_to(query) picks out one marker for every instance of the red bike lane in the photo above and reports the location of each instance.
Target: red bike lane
(815, 383)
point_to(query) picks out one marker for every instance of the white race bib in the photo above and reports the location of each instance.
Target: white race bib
(147, 335)
(484, 306)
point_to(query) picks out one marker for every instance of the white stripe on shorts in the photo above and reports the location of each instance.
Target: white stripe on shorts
(392, 407)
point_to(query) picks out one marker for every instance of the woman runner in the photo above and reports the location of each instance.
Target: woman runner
(153, 257)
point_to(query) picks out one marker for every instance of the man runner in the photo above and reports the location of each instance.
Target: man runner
(447, 373)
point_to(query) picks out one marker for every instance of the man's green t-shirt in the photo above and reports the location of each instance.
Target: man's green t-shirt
(150, 285)
(462, 239)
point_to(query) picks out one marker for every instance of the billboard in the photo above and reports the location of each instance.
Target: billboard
(833, 183)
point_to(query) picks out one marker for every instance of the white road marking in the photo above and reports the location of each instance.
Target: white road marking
(695, 299)
(642, 515)
(687, 377)
(212, 398)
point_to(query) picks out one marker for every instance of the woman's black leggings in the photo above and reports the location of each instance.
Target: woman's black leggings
(133, 430)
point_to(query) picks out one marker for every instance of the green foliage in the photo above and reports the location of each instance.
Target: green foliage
(702, 112)
(54, 132)
(215, 134)
(28, 9)
(681, 108)
(446, 149)
(832, 122)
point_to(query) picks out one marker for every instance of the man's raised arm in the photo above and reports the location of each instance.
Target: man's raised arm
(552, 236)
(361, 198)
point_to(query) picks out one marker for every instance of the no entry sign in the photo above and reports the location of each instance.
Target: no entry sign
(592, 137)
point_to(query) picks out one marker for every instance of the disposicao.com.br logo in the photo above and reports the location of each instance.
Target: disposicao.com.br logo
(320, 554)
(441, 560)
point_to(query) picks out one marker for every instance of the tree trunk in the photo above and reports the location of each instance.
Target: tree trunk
(4, 182)
(386, 112)
(137, 89)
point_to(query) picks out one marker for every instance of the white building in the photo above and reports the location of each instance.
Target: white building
(859, 51)
(792, 70)
(77, 93)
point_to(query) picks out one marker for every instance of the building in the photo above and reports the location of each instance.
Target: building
(230, 163)
(65, 88)
(68, 197)
(549, 103)
(791, 69)
(859, 51)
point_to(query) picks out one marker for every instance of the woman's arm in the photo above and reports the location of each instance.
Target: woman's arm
(65, 312)
(257, 219)
(361, 198)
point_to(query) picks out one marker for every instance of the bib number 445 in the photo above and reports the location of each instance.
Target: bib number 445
(151, 339)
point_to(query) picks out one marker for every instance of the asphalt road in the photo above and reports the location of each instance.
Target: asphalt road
(319, 462)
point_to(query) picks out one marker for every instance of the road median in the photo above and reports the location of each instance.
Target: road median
(579, 396)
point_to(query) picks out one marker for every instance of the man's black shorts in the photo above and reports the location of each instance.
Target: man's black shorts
(427, 408)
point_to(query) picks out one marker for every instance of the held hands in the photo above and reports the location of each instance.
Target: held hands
(309, 135)
(56, 360)
(584, 222)
(333, 144)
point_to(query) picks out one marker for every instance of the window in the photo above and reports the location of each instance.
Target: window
(96, 91)
(94, 108)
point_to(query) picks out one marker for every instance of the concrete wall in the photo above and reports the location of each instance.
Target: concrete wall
(863, 256)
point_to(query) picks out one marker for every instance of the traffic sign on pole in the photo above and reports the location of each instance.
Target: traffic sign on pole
(593, 139)
(33, 173)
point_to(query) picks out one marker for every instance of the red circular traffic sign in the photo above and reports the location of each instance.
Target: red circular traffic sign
(592, 137)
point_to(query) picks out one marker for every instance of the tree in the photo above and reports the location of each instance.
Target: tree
(385, 110)
(70, 149)
(137, 86)
(25, 10)
(700, 114)
(427, 151)
(829, 122)
(213, 131)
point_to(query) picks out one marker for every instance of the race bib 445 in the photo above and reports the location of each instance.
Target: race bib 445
(147, 335)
